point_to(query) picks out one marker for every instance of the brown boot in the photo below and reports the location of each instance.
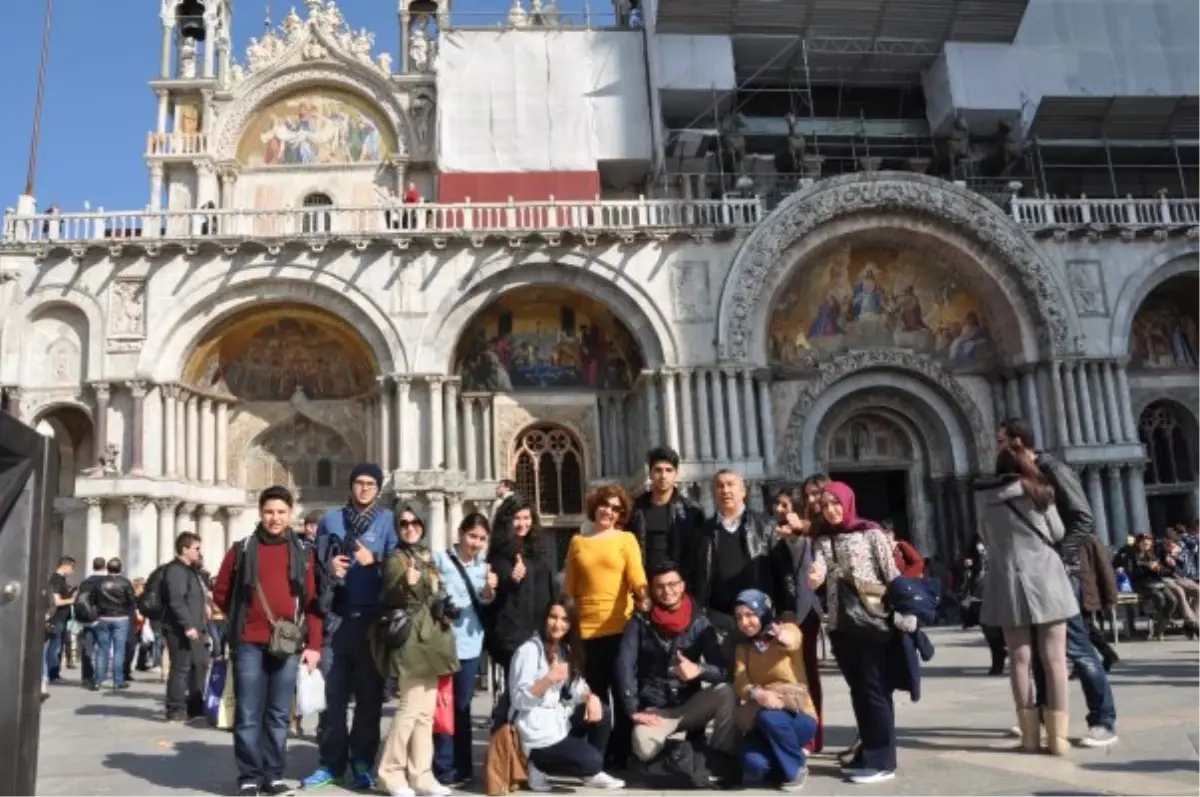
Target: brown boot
(1056, 732)
(1031, 730)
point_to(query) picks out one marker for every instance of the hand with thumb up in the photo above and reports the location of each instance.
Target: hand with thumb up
(518, 571)
(685, 668)
(413, 574)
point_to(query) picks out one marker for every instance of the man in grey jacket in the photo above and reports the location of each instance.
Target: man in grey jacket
(1073, 508)
(184, 624)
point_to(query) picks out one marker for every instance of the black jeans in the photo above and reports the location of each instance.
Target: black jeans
(600, 672)
(189, 671)
(350, 671)
(864, 666)
(581, 753)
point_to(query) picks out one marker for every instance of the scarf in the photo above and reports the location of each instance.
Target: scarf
(249, 564)
(671, 624)
(850, 520)
(758, 602)
(358, 522)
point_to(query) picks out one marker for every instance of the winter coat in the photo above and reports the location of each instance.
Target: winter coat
(1097, 579)
(645, 666)
(429, 651)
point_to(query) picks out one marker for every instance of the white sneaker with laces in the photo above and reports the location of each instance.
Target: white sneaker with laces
(869, 776)
(605, 781)
(797, 783)
(535, 779)
(436, 790)
(405, 792)
(1098, 736)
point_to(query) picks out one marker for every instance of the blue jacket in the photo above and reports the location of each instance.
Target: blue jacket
(918, 597)
(359, 591)
(468, 626)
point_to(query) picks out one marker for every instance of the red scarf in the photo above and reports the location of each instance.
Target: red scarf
(672, 623)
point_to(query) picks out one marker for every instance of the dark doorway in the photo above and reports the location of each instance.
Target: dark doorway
(1168, 509)
(881, 495)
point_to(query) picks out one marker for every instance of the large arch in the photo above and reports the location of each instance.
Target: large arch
(17, 324)
(1173, 261)
(926, 207)
(622, 296)
(207, 303)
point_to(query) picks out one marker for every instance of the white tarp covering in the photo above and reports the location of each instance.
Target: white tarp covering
(541, 100)
(695, 63)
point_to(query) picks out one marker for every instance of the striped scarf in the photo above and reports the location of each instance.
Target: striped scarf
(357, 522)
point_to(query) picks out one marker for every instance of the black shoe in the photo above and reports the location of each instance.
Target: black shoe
(93, 687)
(123, 687)
(177, 717)
(997, 668)
(277, 787)
(679, 759)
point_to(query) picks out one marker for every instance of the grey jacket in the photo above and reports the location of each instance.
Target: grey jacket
(1026, 582)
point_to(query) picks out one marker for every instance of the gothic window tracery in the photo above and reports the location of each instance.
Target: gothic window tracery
(1170, 453)
(548, 468)
(298, 454)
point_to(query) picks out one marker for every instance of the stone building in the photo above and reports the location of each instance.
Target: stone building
(326, 273)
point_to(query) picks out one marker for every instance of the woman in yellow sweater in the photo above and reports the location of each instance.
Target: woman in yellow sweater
(778, 716)
(605, 577)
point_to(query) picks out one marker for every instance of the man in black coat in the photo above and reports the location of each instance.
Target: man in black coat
(665, 657)
(184, 625)
(1071, 501)
(665, 521)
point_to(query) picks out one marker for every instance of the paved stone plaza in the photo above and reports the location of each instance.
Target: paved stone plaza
(953, 742)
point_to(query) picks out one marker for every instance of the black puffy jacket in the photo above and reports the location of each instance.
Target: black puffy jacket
(111, 595)
(646, 663)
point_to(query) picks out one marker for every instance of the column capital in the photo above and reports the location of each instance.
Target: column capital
(13, 392)
(165, 504)
(136, 503)
(405, 497)
(403, 381)
(468, 399)
(103, 390)
(729, 369)
(185, 508)
(93, 502)
(208, 510)
(764, 375)
(234, 512)
(435, 381)
(382, 380)
(137, 387)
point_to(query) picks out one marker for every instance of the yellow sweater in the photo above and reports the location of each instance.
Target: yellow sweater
(602, 574)
(781, 663)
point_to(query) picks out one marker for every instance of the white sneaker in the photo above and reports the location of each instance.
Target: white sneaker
(535, 779)
(869, 776)
(604, 781)
(405, 792)
(1098, 736)
(436, 790)
(797, 783)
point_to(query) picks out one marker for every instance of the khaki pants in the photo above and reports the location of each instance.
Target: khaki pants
(715, 705)
(407, 759)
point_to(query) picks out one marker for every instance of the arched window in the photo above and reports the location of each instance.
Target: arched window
(316, 220)
(1172, 460)
(324, 473)
(548, 468)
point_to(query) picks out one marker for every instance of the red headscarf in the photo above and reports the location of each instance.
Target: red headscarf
(850, 519)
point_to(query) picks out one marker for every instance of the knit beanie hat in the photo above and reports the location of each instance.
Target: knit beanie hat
(367, 469)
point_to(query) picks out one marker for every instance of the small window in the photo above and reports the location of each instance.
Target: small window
(324, 473)
(317, 221)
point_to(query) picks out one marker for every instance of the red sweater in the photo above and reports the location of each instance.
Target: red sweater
(908, 561)
(273, 568)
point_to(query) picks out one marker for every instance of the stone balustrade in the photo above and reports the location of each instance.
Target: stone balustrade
(472, 220)
(162, 144)
(1162, 213)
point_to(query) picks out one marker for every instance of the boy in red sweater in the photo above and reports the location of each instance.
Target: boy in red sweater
(265, 579)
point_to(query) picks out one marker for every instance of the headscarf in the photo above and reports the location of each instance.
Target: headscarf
(758, 602)
(403, 545)
(850, 519)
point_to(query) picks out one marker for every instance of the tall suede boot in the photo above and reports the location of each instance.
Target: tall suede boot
(1056, 732)
(1031, 730)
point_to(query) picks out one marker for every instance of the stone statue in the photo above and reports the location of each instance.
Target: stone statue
(733, 142)
(423, 121)
(796, 142)
(960, 146)
(257, 54)
(293, 27)
(361, 45)
(418, 47)
(237, 73)
(187, 58)
(517, 17)
(385, 63)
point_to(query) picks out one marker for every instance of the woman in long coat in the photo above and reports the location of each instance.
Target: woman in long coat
(1026, 590)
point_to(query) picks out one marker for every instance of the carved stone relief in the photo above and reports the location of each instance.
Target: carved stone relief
(1087, 287)
(55, 347)
(422, 114)
(63, 361)
(127, 309)
(690, 290)
(759, 263)
(407, 294)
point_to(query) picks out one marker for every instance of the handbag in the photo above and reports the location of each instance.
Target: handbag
(287, 636)
(443, 712)
(861, 613)
(395, 626)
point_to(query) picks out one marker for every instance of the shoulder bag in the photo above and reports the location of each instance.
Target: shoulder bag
(861, 613)
(1041, 535)
(287, 636)
(462, 571)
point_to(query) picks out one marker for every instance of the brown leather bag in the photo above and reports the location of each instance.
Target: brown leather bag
(504, 765)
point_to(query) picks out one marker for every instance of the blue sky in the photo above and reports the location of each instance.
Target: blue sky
(98, 108)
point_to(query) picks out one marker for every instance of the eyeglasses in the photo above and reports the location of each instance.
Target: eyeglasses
(404, 524)
(668, 585)
(615, 506)
(366, 484)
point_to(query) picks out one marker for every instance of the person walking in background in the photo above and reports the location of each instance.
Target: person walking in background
(87, 634)
(61, 595)
(470, 586)
(664, 520)
(113, 598)
(184, 629)
(606, 579)
(1098, 594)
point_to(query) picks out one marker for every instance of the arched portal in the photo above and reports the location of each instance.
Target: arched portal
(71, 429)
(1163, 335)
(295, 376)
(1171, 437)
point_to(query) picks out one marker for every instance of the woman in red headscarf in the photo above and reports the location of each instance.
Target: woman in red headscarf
(853, 547)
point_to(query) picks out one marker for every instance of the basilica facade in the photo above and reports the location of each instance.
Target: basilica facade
(291, 303)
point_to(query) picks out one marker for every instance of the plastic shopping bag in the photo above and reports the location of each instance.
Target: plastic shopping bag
(214, 693)
(310, 692)
(147, 634)
(443, 712)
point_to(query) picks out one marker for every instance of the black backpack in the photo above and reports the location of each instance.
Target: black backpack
(151, 603)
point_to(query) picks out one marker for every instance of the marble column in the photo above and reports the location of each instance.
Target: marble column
(450, 407)
(1072, 403)
(95, 530)
(184, 519)
(704, 414)
(1060, 406)
(1012, 393)
(385, 425)
(1086, 409)
(622, 436)
(1139, 513)
(437, 522)
(142, 538)
(137, 465)
(99, 422)
(469, 450)
(754, 496)
(1111, 407)
(192, 408)
(207, 441)
(234, 530)
(767, 419)
(408, 447)
(170, 431)
(488, 466)
(212, 540)
(1095, 492)
(1118, 517)
(1128, 422)
(181, 443)
(222, 452)
(737, 448)
(454, 516)
(166, 528)
(966, 527)
(707, 500)
(688, 410)
(721, 449)
(670, 410)
(1096, 390)
(750, 413)
(437, 439)
(937, 506)
(371, 433)
(1033, 408)
(998, 407)
(651, 405)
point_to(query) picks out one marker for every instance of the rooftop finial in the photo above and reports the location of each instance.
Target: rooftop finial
(267, 16)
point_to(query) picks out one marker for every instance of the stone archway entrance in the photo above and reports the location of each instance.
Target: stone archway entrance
(71, 429)
(875, 456)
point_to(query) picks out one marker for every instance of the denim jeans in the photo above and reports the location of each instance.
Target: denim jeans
(52, 666)
(774, 750)
(452, 754)
(1082, 655)
(349, 669)
(265, 687)
(581, 752)
(110, 634)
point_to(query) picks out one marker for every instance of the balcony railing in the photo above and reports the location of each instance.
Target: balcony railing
(176, 143)
(1128, 213)
(473, 219)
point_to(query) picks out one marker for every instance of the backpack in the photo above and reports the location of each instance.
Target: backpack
(84, 609)
(151, 603)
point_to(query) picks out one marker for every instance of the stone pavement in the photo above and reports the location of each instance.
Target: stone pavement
(952, 742)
